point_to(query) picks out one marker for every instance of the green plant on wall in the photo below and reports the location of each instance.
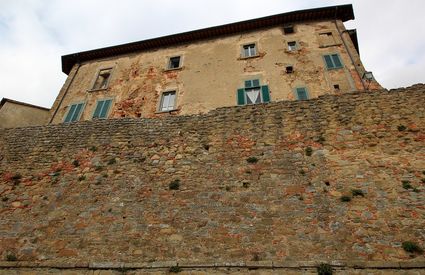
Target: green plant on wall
(411, 247)
(175, 269)
(11, 257)
(406, 184)
(174, 185)
(357, 192)
(252, 160)
(308, 151)
(112, 161)
(345, 198)
(324, 269)
(401, 128)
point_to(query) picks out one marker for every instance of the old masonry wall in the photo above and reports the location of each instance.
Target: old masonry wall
(259, 186)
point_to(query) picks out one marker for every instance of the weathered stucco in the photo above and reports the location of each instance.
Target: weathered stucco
(213, 70)
(16, 114)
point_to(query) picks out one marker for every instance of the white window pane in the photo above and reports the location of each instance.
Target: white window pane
(253, 96)
(172, 97)
(168, 101)
(246, 51)
(253, 51)
(165, 100)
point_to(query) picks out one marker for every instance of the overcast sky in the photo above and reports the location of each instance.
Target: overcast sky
(34, 34)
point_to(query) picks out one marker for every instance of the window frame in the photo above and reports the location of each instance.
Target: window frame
(255, 83)
(289, 48)
(69, 109)
(330, 55)
(289, 69)
(159, 109)
(109, 108)
(242, 50)
(111, 68)
(306, 92)
(168, 66)
(322, 42)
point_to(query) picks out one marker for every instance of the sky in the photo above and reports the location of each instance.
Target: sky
(34, 34)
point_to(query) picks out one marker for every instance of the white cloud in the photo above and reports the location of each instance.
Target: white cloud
(35, 33)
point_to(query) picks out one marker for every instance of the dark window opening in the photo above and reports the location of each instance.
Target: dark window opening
(287, 29)
(102, 79)
(292, 46)
(336, 87)
(289, 69)
(174, 62)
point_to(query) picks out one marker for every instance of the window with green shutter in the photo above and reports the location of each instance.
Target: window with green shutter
(253, 93)
(301, 93)
(102, 108)
(332, 61)
(74, 112)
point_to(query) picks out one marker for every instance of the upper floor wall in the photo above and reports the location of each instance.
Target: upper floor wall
(270, 64)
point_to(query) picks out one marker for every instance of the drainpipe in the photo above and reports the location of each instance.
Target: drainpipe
(66, 91)
(348, 50)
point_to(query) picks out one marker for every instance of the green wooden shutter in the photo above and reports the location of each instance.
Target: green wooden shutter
(241, 97)
(329, 63)
(105, 108)
(98, 109)
(70, 113)
(336, 61)
(302, 94)
(77, 112)
(265, 93)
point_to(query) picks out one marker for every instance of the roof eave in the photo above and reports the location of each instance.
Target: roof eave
(342, 12)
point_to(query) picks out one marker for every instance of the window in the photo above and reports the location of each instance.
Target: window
(253, 93)
(292, 46)
(332, 61)
(174, 62)
(249, 50)
(288, 29)
(336, 87)
(326, 39)
(289, 69)
(102, 108)
(102, 79)
(74, 112)
(301, 93)
(168, 101)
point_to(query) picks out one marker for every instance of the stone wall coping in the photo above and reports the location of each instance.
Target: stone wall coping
(188, 264)
(312, 103)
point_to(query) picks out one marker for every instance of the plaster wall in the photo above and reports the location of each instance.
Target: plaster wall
(18, 115)
(213, 70)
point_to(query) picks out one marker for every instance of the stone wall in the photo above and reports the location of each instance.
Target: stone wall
(261, 184)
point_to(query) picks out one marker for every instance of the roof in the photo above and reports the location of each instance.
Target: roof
(4, 100)
(341, 12)
(353, 36)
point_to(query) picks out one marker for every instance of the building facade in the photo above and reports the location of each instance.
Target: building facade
(19, 114)
(291, 56)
